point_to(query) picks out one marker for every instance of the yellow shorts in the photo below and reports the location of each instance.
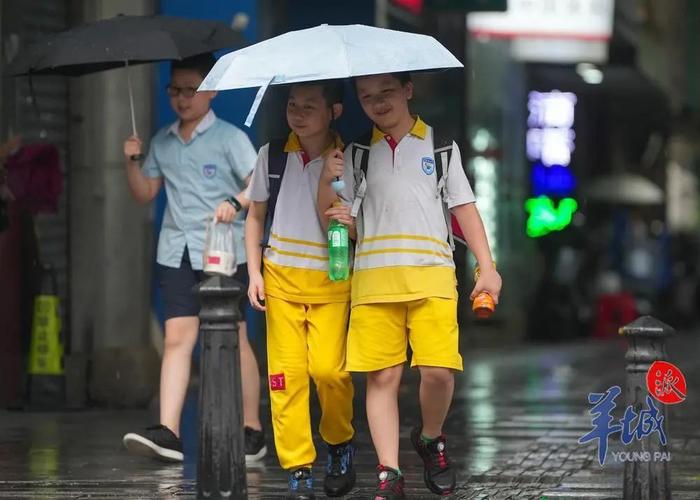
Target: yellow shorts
(379, 334)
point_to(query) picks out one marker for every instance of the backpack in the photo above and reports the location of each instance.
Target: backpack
(442, 152)
(276, 163)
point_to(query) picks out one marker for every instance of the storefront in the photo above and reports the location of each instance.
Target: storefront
(557, 107)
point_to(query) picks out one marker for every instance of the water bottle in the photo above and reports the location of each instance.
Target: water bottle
(483, 305)
(338, 250)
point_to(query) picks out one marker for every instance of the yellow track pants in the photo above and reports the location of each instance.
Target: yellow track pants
(307, 340)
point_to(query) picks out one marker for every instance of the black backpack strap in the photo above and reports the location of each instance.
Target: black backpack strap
(362, 143)
(442, 151)
(360, 163)
(276, 163)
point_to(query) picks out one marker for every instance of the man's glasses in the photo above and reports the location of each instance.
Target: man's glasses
(174, 91)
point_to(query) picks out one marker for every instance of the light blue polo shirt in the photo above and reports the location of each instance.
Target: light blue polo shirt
(199, 175)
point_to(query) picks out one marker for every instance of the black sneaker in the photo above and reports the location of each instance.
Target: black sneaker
(301, 484)
(255, 448)
(438, 474)
(391, 484)
(157, 442)
(340, 470)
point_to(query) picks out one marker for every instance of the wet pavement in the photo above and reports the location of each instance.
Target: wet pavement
(513, 429)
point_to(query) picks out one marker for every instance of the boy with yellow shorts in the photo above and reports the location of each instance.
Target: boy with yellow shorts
(306, 313)
(404, 284)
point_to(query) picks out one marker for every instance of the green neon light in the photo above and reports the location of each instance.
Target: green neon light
(545, 218)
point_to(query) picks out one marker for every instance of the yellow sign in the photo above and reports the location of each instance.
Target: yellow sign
(46, 350)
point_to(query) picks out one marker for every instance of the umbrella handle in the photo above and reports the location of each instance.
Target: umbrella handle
(338, 184)
(140, 156)
(131, 99)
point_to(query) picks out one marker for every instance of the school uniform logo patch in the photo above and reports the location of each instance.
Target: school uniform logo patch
(428, 165)
(277, 382)
(209, 170)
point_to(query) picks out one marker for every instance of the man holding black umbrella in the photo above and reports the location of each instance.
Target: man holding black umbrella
(203, 160)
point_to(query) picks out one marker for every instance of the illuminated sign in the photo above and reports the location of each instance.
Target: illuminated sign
(413, 6)
(416, 6)
(549, 144)
(590, 20)
(485, 192)
(555, 180)
(485, 169)
(545, 217)
(580, 29)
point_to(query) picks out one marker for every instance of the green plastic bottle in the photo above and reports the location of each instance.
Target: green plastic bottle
(338, 251)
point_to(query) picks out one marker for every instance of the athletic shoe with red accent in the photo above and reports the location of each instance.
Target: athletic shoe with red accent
(390, 485)
(438, 474)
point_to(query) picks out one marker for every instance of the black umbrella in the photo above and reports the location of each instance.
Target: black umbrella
(122, 41)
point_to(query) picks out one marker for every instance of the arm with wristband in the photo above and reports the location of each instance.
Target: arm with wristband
(232, 206)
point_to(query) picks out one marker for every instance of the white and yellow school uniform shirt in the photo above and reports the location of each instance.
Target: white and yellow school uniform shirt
(403, 252)
(296, 261)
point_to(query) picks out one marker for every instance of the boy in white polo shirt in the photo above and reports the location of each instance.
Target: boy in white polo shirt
(404, 284)
(306, 313)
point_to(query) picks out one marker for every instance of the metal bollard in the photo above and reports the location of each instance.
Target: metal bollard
(647, 343)
(221, 463)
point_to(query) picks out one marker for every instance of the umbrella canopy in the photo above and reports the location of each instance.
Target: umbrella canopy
(626, 189)
(326, 52)
(114, 42)
(120, 41)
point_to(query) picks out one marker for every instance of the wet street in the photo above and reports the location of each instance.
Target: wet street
(512, 430)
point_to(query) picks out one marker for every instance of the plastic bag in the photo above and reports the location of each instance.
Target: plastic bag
(219, 250)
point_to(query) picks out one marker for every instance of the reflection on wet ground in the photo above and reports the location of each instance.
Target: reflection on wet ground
(513, 430)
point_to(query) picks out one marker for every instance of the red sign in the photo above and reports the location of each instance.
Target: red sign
(277, 382)
(666, 383)
(413, 6)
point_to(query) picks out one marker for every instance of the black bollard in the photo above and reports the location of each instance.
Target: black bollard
(221, 462)
(647, 480)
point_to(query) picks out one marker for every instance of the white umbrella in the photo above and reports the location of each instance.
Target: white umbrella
(326, 52)
(624, 188)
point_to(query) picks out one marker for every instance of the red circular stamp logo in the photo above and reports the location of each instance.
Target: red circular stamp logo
(666, 383)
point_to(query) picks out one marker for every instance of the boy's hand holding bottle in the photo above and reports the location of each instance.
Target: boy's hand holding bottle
(341, 223)
(486, 291)
(341, 213)
(338, 246)
(225, 212)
